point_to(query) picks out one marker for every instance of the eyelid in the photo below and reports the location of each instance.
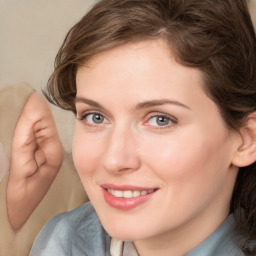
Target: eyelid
(173, 119)
(82, 108)
(89, 112)
(84, 113)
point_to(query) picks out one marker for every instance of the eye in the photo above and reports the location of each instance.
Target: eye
(94, 118)
(160, 121)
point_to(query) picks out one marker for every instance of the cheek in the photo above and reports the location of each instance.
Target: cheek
(86, 154)
(192, 171)
(187, 156)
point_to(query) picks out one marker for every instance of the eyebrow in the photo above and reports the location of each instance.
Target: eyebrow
(141, 105)
(152, 103)
(89, 102)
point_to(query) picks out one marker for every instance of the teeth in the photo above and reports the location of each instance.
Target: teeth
(136, 193)
(129, 193)
(143, 193)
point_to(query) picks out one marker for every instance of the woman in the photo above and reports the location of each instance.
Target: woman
(164, 92)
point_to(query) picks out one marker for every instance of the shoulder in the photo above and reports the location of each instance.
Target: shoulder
(234, 242)
(82, 215)
(230, 245)
(78, 232)
(224, 241)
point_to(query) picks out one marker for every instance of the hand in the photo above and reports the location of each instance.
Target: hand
(36, 158)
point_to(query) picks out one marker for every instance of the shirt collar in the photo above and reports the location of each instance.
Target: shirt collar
(122, 248)
(223, 239)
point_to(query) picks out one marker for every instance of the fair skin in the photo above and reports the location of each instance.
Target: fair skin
(155, 130)
(35, 161)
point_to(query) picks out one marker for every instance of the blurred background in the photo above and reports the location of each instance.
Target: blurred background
(31, 32)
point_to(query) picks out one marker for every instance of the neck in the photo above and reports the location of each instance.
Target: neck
(182, 239)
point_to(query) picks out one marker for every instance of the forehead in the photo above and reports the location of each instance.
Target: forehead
(144, 55)
(137, 66)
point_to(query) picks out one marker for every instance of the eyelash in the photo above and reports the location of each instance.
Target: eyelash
(172, 120)
(85, 115)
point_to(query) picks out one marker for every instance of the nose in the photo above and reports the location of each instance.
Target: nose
(121, 152)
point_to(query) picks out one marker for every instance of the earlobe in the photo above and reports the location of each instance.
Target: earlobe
(246, 152)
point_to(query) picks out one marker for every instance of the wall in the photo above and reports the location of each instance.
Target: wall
(31, 32)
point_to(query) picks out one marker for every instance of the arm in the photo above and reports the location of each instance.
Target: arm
(36, 158)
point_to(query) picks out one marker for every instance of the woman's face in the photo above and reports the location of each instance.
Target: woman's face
(151, 149)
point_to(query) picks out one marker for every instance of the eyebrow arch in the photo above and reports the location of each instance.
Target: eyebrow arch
(89, 102)
(152, 103)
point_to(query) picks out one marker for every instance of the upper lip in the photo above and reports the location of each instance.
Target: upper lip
(126, 187)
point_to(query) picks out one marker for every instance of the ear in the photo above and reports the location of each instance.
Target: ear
(246, 152)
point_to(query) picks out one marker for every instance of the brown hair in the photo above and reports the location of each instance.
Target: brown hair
(216, 37)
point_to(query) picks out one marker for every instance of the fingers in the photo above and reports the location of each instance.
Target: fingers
(35, 112)
(48, 142)
(35, 141)
(40, 158)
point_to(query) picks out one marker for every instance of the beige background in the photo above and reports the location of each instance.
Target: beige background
(31, 31)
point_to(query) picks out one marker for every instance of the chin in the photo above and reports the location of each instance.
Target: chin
(125, 232)
(125, 236)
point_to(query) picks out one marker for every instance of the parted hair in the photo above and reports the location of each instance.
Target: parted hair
(215, 36)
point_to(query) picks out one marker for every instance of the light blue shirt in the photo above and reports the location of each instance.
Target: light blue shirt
(80, 233)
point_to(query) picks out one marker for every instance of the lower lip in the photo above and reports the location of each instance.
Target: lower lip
(125, 203)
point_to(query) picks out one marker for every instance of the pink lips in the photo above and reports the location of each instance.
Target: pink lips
(122, 203)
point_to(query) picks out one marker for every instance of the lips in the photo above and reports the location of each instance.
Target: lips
(126, 197)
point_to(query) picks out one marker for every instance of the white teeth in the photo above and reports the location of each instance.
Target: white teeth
(117, 193)
(135, 193)
(143, 193)
(129, 193)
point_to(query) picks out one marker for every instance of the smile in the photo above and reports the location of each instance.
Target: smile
(129, 193)
(127, 197)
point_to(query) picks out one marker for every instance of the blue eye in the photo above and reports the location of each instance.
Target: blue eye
(159, 121)
(94, 118)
